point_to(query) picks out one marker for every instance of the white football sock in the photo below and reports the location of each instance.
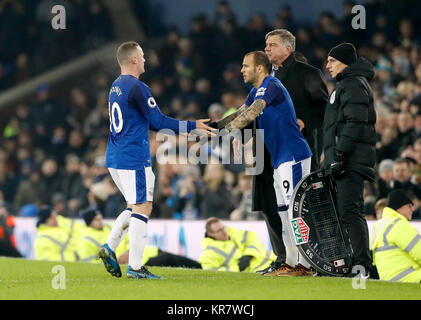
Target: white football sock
(303, 261)
(137, 238)
(119, 230)
(293, 255)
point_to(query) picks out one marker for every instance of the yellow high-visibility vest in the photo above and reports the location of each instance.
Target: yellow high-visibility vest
(90, 242)
(396, 246)
(54, 244)
(225, 255)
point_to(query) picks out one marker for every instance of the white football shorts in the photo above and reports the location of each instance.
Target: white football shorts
(286, 177)
(137, 186)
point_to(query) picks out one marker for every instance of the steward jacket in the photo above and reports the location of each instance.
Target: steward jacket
(396, 246)
(90, 242)
(55, 244)
(73, 227)
(225, 255)
(349, 120)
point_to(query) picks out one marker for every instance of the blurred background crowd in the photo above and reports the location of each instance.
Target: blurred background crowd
(53, 145)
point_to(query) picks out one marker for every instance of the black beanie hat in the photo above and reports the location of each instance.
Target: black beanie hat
(397, 199)
(43, 214)
(345, 53)
(89, 215)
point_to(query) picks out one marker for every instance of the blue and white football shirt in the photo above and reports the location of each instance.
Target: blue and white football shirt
(133, 111)
(282, 134)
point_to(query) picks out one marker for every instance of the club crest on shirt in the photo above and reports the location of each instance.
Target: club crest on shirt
(260, 92)
(332, 97)
(151, 102)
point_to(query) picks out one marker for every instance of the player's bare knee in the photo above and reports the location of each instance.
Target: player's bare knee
(143, 208)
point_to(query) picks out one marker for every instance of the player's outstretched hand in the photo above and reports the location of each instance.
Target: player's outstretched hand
(205, 129)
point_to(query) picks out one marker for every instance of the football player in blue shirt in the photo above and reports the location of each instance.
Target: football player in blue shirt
(134, 111)
(271, 105)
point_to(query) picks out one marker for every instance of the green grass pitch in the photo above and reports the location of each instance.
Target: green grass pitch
(26, 279)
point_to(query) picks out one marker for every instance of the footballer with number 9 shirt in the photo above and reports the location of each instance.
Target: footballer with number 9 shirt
(134, 111)
(270, 104)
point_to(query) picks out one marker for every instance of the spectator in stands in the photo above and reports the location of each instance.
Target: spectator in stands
(29, 190)
(204, 94)
(216, 200)
(73, 187)
(45, 113)
(406, 132)
(385, 178)
(164, 191)
(243, 211)
(79, 108)
(76, 143)
(388, 147)
(402, 180)
(7, 237)
(100, 28)
(215, 111)
(8, 183)
(58, 203)
(223, 15)
(379, 206)
(57, 145)
(188, 193)
(50, 180)
(98, 119)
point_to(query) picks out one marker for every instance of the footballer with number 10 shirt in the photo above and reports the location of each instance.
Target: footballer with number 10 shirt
(134, 111)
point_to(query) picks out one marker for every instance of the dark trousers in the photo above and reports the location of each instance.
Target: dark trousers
(166, 259)
(264, 200)
(274, 225)
(350, 204)
(8, 250)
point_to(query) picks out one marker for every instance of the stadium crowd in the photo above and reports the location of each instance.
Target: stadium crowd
(28, 45)
(53, 148)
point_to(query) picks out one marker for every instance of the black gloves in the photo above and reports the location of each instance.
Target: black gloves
(244, 262)
(337, 168)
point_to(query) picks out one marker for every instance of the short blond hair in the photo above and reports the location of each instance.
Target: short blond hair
(287, 38)
(125, 51)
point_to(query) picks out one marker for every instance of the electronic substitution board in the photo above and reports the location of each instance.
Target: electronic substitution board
(318, 232)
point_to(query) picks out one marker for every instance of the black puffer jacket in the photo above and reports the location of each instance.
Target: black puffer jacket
(349, 120)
